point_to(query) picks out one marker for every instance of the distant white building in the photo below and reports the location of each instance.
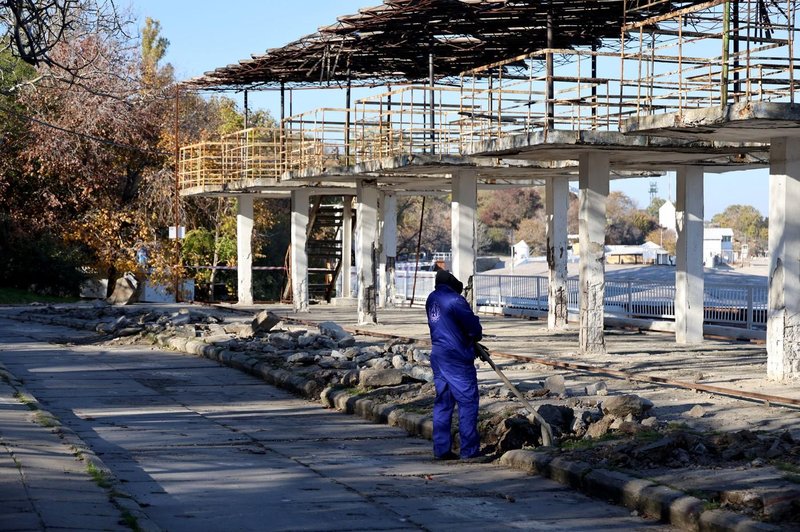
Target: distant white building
(522, 252)
(717, 241)
(717, 245)
(666, 216)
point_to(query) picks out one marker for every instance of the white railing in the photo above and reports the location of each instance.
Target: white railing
(406, 290)
(731, 305)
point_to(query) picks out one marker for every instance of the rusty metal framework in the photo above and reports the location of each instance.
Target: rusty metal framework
(391, 42)
(250, 154)
(665, 57)
(712, 54)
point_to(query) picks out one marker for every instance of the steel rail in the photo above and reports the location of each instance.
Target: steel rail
(768, 399)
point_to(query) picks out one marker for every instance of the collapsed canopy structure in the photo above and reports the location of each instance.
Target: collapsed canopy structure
(393, 41)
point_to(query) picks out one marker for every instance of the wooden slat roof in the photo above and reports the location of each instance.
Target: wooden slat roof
(392, 41)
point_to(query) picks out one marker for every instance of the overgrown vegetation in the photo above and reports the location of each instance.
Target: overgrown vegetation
(99, 476)
(16, 296)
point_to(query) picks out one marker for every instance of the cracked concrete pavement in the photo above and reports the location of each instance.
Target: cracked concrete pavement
(200, 446)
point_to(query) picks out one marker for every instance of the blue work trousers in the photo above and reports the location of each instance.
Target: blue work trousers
(456, 383)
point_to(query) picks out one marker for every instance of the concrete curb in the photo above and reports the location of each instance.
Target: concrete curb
(122, 500)
(643, 496)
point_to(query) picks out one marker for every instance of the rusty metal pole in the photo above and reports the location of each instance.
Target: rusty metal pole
(726, 29)
(737, 85)
(433, 101)
(246, 111)
(177, 205)
(419, 246)
(550, 87)
(347, 104)
(282, 130)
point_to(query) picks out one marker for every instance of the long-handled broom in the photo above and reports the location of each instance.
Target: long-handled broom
(547, 432)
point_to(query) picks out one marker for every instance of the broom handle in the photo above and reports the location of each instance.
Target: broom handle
(547, 432)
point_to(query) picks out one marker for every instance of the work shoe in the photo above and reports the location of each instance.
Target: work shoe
(482, 457)
(449, 455)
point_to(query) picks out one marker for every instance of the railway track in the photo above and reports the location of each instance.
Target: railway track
(767, 399)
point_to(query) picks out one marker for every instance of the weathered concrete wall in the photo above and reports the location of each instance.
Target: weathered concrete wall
(593, 181)
(689, 272)
(367, 250)
(244, 249)
(783, 318)
(300, 205)
(556, 206)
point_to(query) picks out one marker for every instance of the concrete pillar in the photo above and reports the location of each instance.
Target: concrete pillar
(347, 246)
(388, 250)
(299, 231)
(593, 179)
(689, 271)
(463, 228)
(783, 317)
(244, 249)
(556, 206)
(367, 250)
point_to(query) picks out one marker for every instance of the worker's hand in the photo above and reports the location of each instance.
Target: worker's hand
(481, 352)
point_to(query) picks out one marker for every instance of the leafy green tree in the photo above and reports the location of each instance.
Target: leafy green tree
(748, 226)
(654, 206)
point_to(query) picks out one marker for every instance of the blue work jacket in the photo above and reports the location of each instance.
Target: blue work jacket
(454, 328)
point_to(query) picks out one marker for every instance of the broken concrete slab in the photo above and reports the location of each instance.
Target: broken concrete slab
(124, 291)
(372, 378)
(265, 321)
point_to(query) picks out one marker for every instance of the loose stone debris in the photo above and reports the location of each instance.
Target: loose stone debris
(394, 378)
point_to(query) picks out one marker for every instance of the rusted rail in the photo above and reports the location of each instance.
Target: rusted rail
(718, 390)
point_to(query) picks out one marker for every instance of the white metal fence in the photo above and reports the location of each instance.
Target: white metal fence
(724, 304)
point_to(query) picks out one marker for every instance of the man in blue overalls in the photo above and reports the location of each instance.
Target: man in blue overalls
(454, 331)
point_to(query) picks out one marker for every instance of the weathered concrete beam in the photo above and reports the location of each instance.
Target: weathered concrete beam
(556, 207)
(244, 249)
(689, 272)
(299, 273)
(783, 317)
(367, 251)
(593, 180)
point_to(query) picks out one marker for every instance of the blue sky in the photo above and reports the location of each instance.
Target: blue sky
(207, 34)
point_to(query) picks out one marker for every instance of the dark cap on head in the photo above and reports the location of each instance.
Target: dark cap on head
(448, 279)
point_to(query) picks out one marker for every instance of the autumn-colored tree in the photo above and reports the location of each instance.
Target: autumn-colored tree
(666, 238)
(435, 227)
(534, 232)
(506, 208)
(626, 224)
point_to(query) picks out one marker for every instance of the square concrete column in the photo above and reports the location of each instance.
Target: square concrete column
(299, 232)
(347, 246)
(689, 272)
(367, 250)
(463, 228)
(593, 180)
(783, 316)
(244, 249)
(388, 249)
(556, 199)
